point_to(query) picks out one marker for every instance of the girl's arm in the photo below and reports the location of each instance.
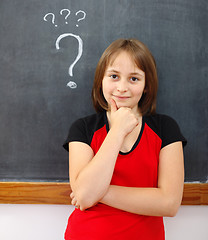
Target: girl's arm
(161, 201)
(90, 175)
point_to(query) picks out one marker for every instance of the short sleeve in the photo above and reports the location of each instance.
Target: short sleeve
(77, 133)
(171, 132)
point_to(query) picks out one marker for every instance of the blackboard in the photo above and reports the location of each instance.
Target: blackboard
(42, 92)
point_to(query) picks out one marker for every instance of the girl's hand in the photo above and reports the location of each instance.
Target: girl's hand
(75, 203)
(122, 119)
(74, 200)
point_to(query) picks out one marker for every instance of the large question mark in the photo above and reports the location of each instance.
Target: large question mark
(84, 15)
(71, 84)
(52, 20)
(68, 13)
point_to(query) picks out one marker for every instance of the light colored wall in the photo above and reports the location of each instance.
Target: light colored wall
(48, 222)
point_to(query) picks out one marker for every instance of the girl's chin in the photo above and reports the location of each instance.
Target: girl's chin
(119, 106)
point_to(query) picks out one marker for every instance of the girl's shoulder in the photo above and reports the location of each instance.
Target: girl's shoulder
(159, 119)
(166, 128)
(82, 129)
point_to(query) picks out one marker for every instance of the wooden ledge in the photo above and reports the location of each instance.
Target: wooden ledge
(195, 194)
(59, 193)
(35, 193)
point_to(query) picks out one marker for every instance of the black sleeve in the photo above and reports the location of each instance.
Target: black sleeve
(77, 133)
(171, 132)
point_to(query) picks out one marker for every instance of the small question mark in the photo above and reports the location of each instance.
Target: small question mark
(68, 13)
(52, 20)
(80, 11)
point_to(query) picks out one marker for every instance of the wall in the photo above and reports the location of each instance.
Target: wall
(48, 222)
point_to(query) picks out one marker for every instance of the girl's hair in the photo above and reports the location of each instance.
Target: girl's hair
(143, 59)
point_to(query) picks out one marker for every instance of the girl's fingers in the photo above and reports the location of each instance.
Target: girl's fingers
(114, 107)
(73, 201)
(72, 195)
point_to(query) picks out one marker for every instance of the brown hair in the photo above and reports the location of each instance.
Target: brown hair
(143, 59)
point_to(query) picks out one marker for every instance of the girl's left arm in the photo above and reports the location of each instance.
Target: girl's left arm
(161, 201)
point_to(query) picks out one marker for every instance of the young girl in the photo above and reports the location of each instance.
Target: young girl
(125, 162)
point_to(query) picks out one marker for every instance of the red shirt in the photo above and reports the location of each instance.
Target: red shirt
(137, 168)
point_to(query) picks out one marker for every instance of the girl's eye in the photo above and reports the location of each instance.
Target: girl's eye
(114, 76)
(134, 79)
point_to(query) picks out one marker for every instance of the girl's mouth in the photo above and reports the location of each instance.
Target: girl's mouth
(121, 97)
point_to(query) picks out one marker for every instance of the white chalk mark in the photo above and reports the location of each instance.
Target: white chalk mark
(80, 49)
(52, 19)
(71, 84)
(68, 13)
(82, 18)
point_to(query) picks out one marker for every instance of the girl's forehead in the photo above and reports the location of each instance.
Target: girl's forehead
(114, 56)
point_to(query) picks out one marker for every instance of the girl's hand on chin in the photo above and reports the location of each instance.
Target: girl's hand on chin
(123, 119)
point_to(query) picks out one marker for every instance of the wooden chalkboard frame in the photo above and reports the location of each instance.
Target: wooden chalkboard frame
(35, 59)
(41, 35)
(59, 193)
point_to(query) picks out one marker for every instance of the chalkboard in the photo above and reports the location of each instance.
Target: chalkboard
(49, 51)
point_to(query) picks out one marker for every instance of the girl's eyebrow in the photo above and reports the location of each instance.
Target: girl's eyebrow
(137, 73)
(113, 70)
(133, 73)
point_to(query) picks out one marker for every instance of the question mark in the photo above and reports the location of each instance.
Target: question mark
(80, 11)
(65, 10)
(71, 84)
(53, 18)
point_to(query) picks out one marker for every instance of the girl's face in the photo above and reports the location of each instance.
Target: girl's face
(123, 82)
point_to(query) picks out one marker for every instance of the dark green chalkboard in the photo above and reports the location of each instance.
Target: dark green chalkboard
(39, 42)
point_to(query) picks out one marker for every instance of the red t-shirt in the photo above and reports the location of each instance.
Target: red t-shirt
(136, 168)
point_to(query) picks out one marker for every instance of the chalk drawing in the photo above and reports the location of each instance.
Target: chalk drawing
(82, 18)
(80, 50)
(68, 13)
(52, 18)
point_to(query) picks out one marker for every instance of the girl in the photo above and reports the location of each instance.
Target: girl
(125, 162)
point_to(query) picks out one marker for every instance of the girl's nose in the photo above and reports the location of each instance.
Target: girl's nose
(122, 86)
